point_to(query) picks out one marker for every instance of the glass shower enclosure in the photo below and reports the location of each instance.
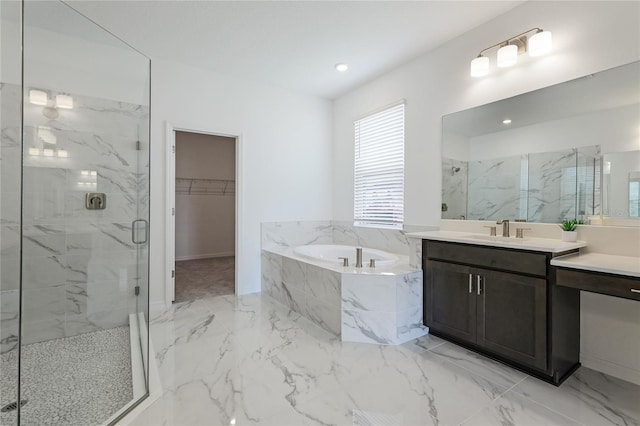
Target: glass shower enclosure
(74, 218)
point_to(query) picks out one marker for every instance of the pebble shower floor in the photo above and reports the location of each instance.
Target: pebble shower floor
(79, 380)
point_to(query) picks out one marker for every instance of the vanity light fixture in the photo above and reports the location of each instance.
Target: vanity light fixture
(34, 151)
(62, 153)
(342, 67)
(506, 121)
(47, 152)
(537, 44)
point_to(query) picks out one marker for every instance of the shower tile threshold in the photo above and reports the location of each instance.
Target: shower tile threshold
(250, 360)
(79, 380)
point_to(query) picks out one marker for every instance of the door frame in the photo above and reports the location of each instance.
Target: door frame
(170, 199)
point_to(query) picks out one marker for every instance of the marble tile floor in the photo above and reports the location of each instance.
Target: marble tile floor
(199, 278)
(249, 360)
(79, 380)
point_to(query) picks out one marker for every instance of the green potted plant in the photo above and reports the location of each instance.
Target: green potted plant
(569, 233)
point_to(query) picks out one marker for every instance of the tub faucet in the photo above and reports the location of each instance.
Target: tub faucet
(359, 257)
(505, 227)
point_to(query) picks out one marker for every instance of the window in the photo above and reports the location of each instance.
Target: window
(379, 168)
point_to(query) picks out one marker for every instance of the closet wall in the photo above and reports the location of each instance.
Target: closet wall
(205, 196)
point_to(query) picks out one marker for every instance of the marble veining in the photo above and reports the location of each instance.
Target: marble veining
(78, 265)
(254, 361)
(370, 306)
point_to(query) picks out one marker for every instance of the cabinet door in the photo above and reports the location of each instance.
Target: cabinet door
(512, 317)
(450, 301)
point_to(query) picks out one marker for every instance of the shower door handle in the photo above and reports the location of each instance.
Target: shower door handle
(134, 228)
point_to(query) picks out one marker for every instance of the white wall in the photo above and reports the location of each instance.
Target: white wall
(285, 155)
(205, 224)
(438, 83)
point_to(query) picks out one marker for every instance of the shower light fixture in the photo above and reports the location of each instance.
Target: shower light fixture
(38, 97)
(64, 101)
(41, 97)
(538, 44)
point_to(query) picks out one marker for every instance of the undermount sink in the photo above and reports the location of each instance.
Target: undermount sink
(497, 238)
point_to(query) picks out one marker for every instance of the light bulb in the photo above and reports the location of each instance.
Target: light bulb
(64, 101)
(34, 151)
(47, 152)
(62, 153)
(540, 43)
(38, 97)
(480, 66)
(507, 56)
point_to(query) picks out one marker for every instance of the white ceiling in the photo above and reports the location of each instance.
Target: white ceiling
(291, 44)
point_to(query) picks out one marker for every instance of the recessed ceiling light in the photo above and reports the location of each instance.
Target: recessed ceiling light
(506, 121)
(342, 67)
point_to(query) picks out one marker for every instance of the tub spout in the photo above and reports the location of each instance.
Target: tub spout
(359, 257)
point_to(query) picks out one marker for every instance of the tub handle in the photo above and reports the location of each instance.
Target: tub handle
(345, 261)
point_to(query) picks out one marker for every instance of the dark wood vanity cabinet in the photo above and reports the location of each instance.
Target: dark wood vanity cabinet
(500, 302)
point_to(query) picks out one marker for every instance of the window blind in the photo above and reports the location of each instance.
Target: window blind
(379, 168)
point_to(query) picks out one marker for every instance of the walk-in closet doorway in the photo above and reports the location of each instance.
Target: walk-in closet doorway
(203, 212)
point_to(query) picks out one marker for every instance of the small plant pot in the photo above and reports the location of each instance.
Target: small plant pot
(570, 236)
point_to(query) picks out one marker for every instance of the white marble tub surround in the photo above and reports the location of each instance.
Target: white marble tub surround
(379, 305)
(528, 243)
(296, 233)
(607, 263)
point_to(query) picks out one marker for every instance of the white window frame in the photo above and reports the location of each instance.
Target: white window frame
(379, 145)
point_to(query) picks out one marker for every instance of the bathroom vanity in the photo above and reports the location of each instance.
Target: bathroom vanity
(499, 297)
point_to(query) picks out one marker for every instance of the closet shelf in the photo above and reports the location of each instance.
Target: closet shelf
(195, 186)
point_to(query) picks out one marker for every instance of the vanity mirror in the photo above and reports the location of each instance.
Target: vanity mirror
(566, 151)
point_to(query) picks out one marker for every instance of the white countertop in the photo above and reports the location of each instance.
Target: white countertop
(547, 245)
(612, 264)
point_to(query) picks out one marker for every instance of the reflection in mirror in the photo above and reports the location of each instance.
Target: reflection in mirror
(566, 151)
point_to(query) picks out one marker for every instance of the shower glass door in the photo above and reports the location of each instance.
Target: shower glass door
(81, 234)
(10, 192)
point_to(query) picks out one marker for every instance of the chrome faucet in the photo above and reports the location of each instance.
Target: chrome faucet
(505, 227)
(359, 257)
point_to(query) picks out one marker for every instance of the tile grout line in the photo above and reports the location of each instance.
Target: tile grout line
(493, 401)
(545, 406)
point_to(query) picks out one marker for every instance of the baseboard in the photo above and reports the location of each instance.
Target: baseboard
(616, 370)
(205, 256)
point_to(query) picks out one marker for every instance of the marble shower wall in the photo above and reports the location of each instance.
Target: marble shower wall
(454, 188)
(564, 184)
(552, 186)
(10, 157)
(495, 189)
(79, 266)
(543, 187)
